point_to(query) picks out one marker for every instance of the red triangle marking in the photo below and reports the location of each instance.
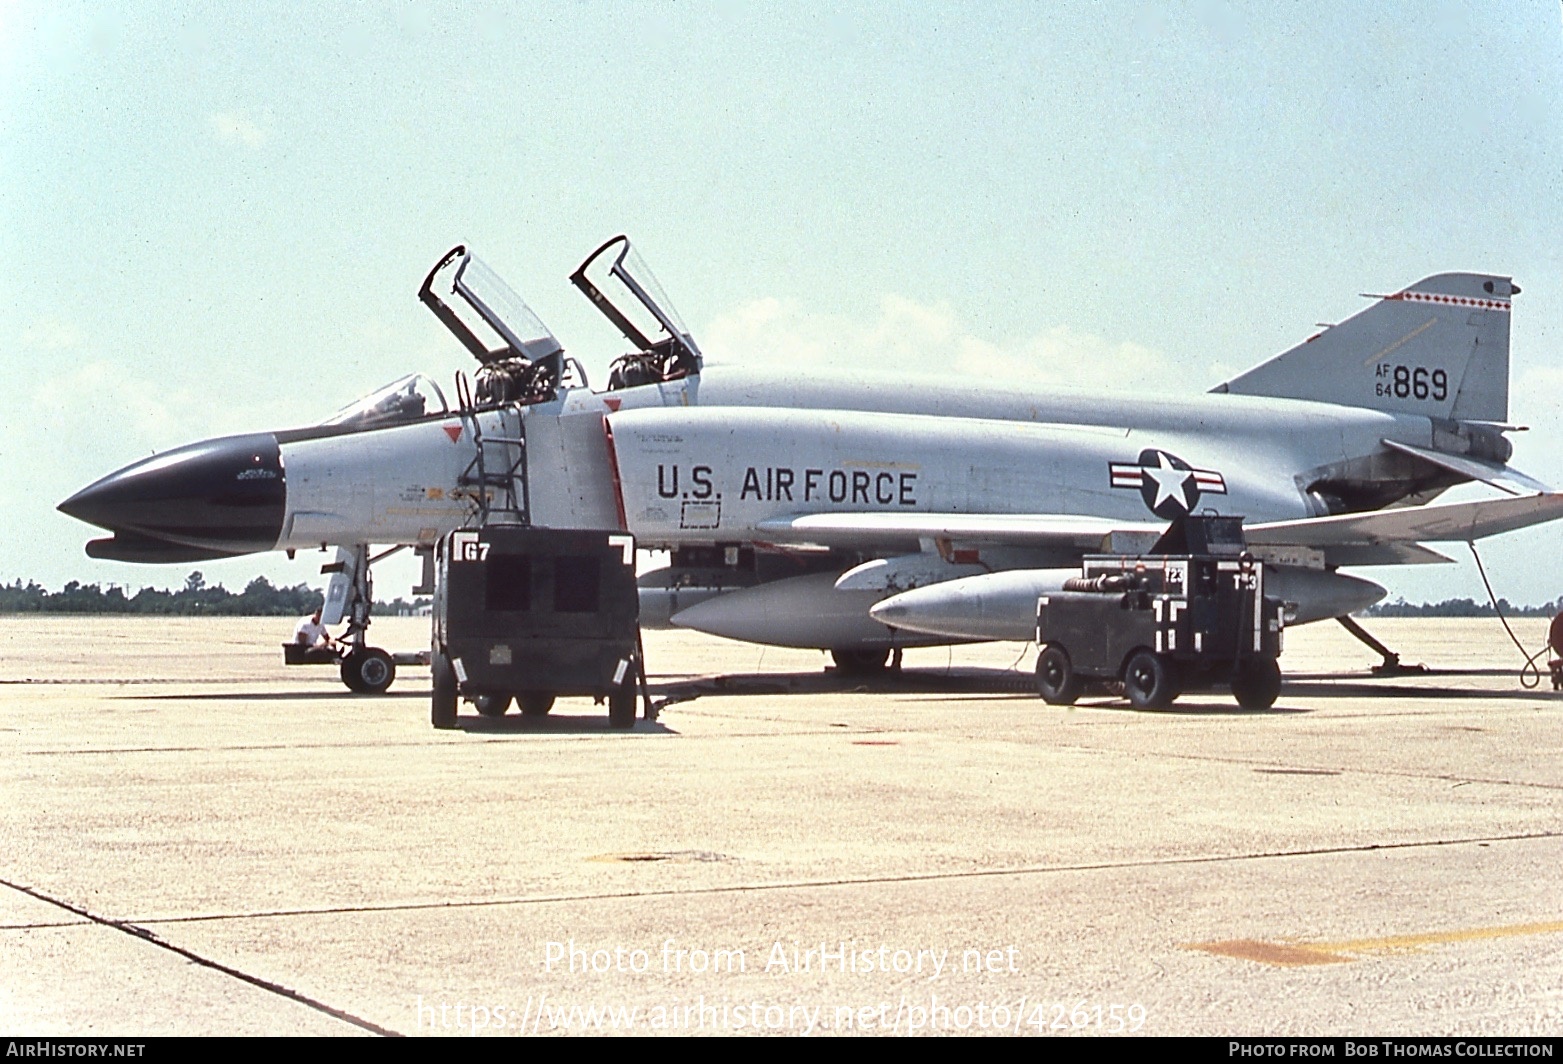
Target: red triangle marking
(613, 405)
(453, 431)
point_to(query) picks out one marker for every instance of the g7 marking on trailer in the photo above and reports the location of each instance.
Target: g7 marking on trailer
(465, 547)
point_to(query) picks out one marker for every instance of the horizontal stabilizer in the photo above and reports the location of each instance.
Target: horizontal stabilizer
(1499, 476)
(1451, 522)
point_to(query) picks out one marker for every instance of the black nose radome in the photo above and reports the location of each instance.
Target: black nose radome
(223, 495)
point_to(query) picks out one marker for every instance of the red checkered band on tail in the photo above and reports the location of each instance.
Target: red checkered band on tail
(1457, 301)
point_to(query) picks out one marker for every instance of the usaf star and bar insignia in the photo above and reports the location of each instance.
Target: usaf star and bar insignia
(1168, 484)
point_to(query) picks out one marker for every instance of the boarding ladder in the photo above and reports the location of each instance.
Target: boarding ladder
(496, 475)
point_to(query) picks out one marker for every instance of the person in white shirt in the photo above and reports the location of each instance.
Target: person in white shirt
(311, 633)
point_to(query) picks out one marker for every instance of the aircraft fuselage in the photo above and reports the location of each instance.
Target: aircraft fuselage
(707, 459)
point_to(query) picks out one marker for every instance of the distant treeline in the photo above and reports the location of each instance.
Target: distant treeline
(1463, 607)
(258, 599)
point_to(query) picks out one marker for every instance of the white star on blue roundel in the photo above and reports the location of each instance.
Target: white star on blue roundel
(1169, 485)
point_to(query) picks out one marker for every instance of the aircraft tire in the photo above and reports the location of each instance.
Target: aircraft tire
(535, 703)
(1057, 681)
(621, 706)
(442, 713)
(350, 675)
(492, 705)
(368, 671)
(1150, 681)
(855, 661)
(1256, 683)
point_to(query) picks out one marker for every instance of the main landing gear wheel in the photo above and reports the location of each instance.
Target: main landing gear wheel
(621, 704)
(1256, 683)
(442, 714)
(535, 703)
(492, 705)
(1149, 681)
(860, 662)
(368, 670)
(1056, 680)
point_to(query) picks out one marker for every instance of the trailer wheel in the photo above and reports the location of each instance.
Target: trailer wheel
(1149, 681)
(492, 705)
(535, 703)
(1257, 683)
(859, 661)
(442, 713)
(1057, 682)
(621, 706)
(369, 671)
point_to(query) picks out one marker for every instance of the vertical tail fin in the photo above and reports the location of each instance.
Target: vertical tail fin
(1438, 348)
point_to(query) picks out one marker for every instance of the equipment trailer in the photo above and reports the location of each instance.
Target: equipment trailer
(1191, 614)
(364, 669)
(528, 614)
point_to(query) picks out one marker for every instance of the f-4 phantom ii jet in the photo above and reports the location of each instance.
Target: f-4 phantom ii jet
(854, 513)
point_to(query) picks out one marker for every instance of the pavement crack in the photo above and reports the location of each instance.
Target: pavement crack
(152, 938)
(1273, 767)
(817, 884)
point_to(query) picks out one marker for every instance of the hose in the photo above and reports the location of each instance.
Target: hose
(1530, 674)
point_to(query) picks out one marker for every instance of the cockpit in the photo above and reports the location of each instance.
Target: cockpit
(620, 285)
(520, 361)
(405, 399)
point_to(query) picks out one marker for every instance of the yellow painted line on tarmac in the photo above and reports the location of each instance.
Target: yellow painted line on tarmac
(1294, 954)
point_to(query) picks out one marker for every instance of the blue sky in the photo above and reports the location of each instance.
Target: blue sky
(215, 218)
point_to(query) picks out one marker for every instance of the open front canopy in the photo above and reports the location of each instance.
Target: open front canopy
(485, 314)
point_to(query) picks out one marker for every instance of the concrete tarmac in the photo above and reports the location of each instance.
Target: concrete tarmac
(197, 840)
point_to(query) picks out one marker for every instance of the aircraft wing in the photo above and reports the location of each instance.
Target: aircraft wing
(1449, 522)
(1382, 537)
(869, 529)
(1385, 554)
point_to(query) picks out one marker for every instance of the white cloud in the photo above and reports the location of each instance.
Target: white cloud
(913, 337)
(231, 127)
(1067, 356)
